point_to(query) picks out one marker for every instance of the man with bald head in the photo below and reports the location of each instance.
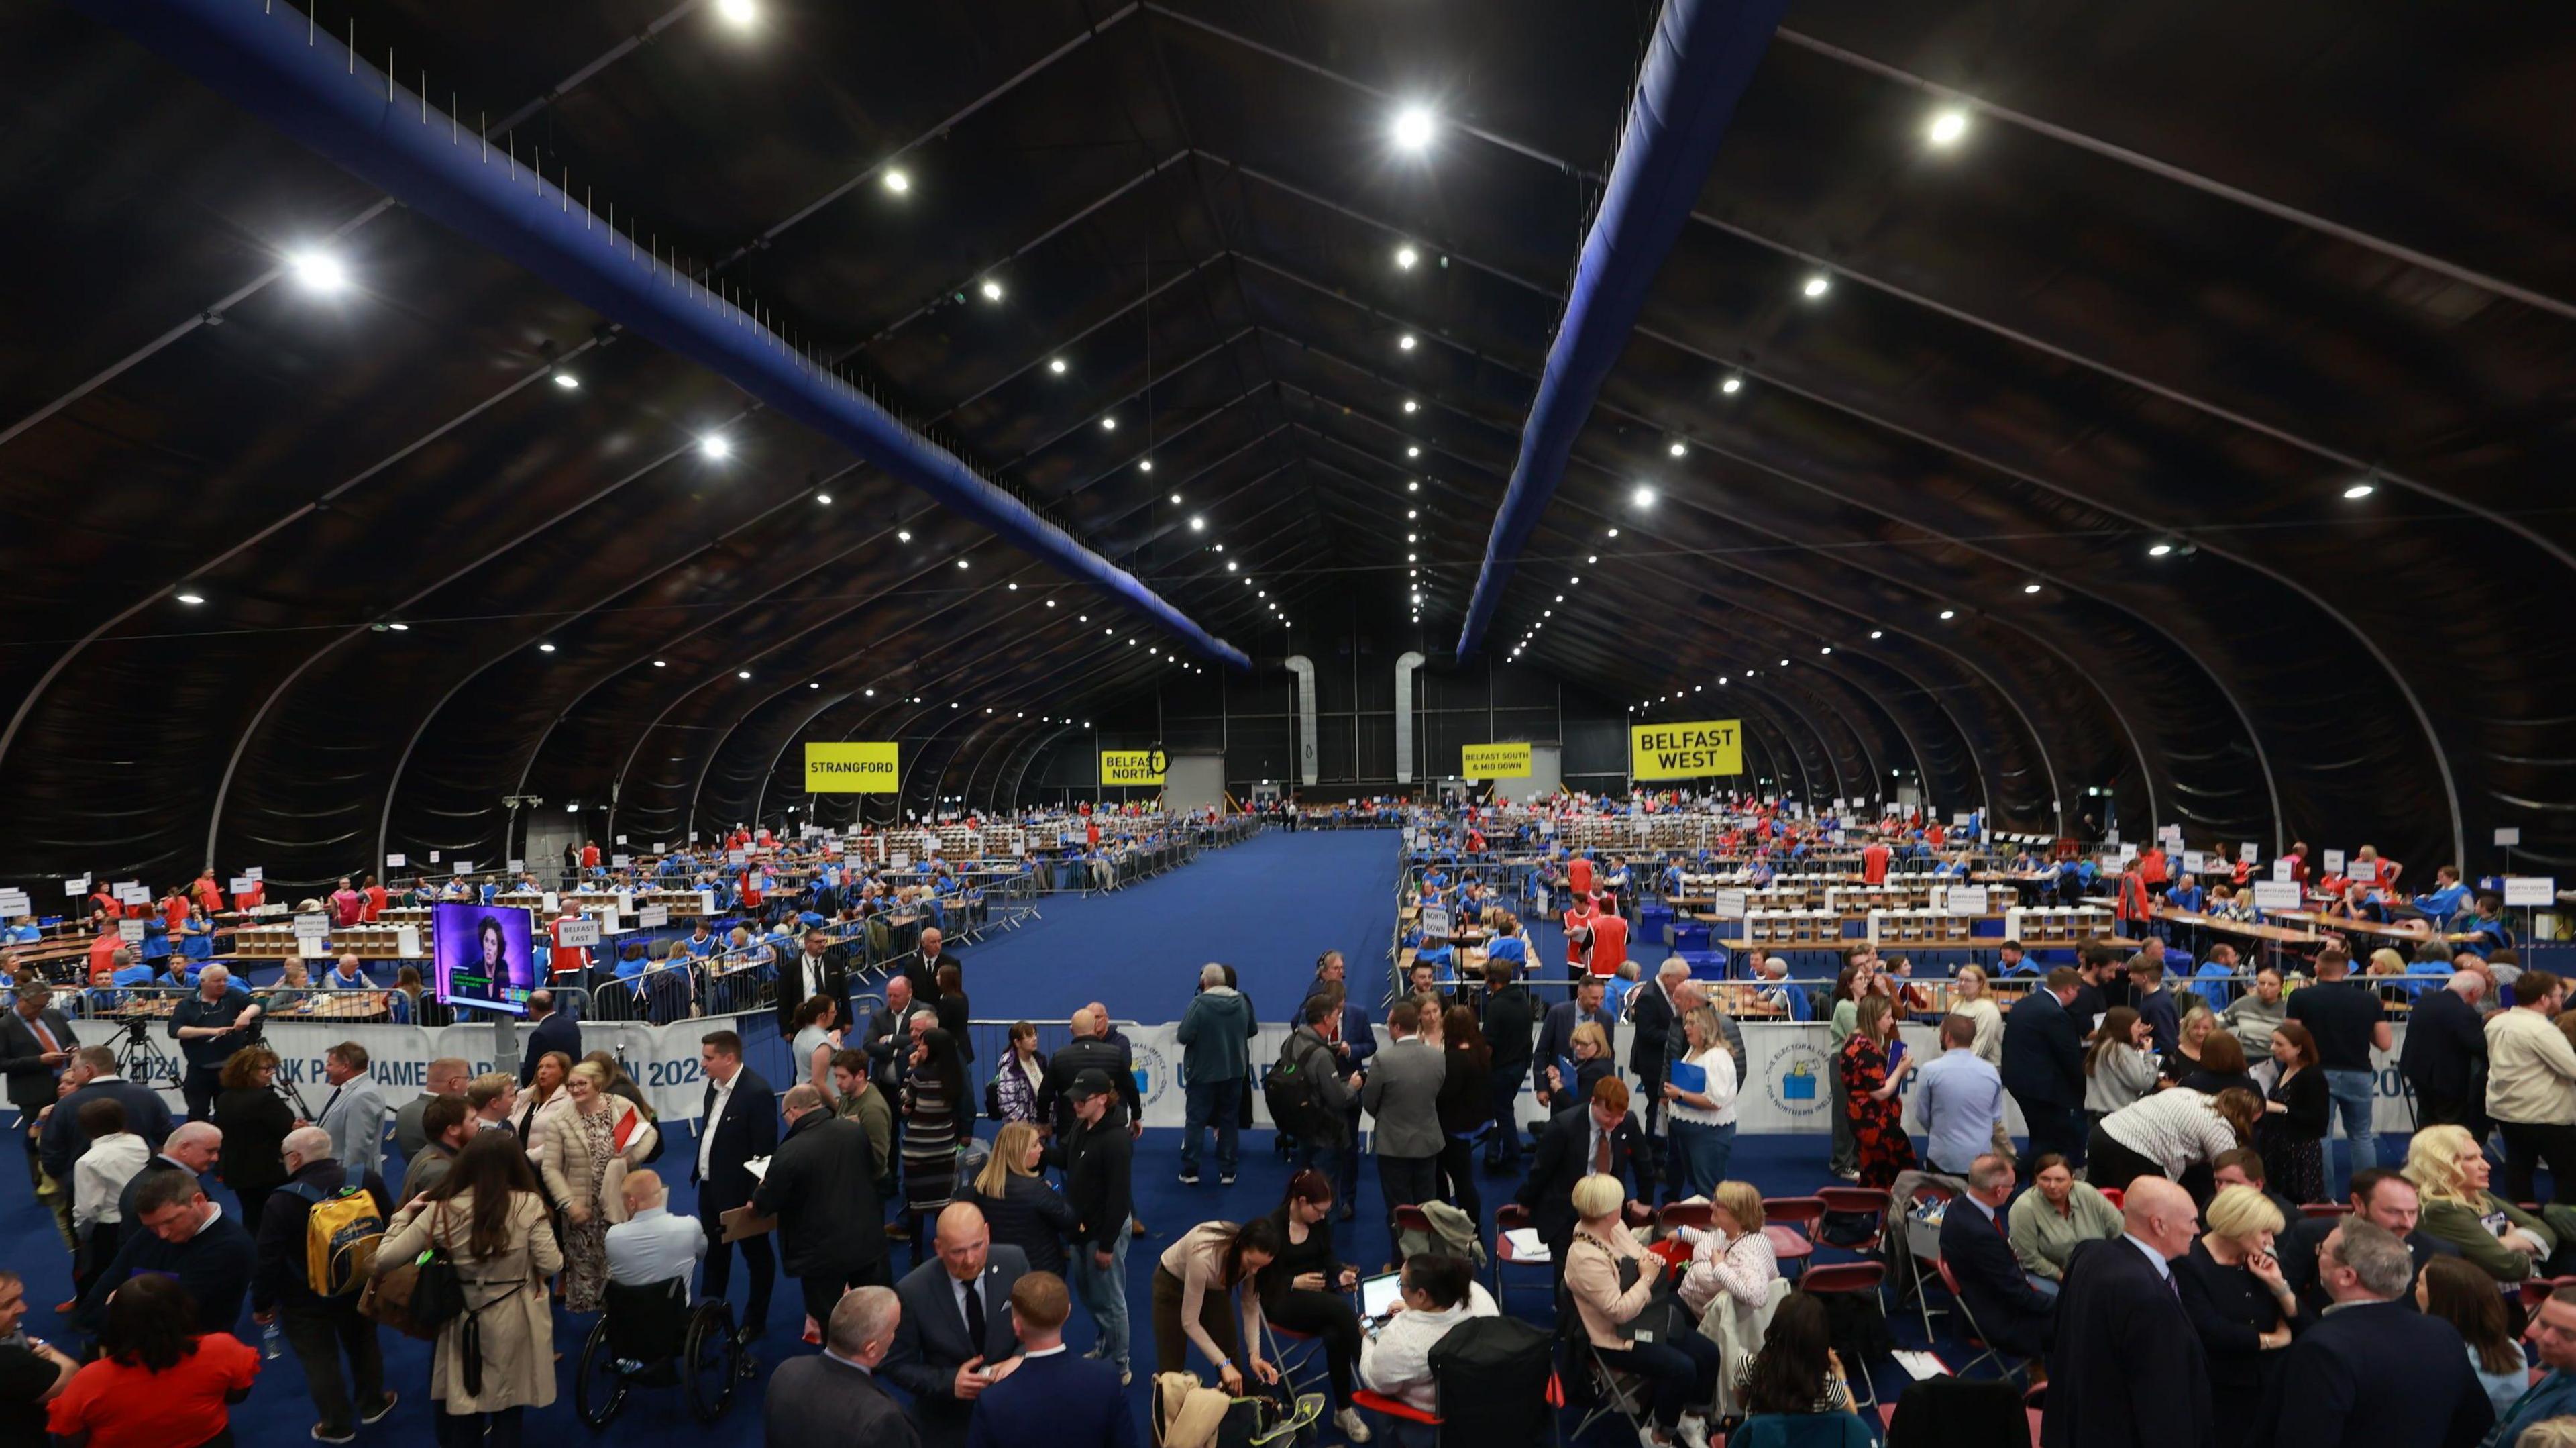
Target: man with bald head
(956, 1338)
(923, 968)
(192, 1150)
(209, 1026)
(834, 1396)
(2128, 1369)
(821, 1187)
(1090, 1049)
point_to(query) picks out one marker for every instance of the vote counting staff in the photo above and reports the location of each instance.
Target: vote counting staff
(2160, 1304)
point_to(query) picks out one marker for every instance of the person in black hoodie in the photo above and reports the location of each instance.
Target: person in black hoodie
(319, 1328)
(1511, 1019)
(1098, 1155)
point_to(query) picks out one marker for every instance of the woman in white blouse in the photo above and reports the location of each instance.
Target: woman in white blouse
(1703, 1116)
(1732, 1256)
(114, 1155)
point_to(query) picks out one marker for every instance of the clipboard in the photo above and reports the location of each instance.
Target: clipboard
(740, 1225)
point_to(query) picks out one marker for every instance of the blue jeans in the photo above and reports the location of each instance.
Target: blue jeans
(1211, 1102)
(1103, 1291)
(2353, 1093)
(1704, 1151)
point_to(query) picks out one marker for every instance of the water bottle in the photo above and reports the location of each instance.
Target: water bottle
(271, 1342)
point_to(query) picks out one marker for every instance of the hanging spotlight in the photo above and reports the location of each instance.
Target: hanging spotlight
(1644, 497)
(961, 562)
(1108, 424)
(1405, 257)
(567, 381)
(659, 664)
(1680, 449)
(1056, 365)
(2030, 588)
(738, 13)
(742, 673)
(1946, 128)
(320, 271)
(823, 498)
(1817, 285)
(2361, 490)
(1404, 343)
(1146, 466)
(1413, 127)
(1948, 613)
(1731, 386)
(903, 535)
(897, 182)
(1876, 633)
(1610, 532)
(545, 648)
(1414, 486)
(1198, 525)
(1413, 452)
(715, 448)
(1412, 406)
(192, 599)
(992, 290)
(2159, 550)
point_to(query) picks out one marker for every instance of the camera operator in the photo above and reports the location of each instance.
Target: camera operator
(209, 1026)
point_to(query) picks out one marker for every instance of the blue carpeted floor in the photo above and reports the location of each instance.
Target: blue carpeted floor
(1267, 907)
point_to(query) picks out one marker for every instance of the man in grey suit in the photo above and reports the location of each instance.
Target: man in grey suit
(354, 1113)
(1403, 1096)
(956, 1337)
(836, 1398)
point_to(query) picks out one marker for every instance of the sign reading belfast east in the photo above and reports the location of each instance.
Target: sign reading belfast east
(1685, 751)
(851, 768)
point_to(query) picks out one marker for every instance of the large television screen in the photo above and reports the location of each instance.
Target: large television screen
(484, 956)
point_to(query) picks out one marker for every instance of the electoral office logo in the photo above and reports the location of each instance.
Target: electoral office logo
(1153, 1072)
(1795, 1080)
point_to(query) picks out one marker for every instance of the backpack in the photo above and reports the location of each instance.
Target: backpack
(341, 1233)
(1493, 1375)
(1288, 1089)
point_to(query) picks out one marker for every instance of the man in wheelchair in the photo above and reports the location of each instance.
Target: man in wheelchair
(650, 1333)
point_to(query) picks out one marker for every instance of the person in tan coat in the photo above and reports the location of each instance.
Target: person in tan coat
(587, 1151)
(1612, 1279)
(491, 1220)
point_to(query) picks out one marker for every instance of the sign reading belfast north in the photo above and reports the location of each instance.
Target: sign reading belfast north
(1493, 761)
(1132, 766)
(1684, 751)
(851, 768)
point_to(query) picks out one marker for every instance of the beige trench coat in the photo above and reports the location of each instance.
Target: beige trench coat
(565, 1161)
(518, 1326)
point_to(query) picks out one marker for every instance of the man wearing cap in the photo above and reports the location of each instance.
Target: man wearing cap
(1098, 1155)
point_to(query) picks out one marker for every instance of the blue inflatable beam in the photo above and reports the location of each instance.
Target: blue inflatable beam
(265, 59)
(1701, 60)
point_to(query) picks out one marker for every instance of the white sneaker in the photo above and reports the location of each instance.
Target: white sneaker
(1348, 1420)
(1693, 1431)
(1646, 1437)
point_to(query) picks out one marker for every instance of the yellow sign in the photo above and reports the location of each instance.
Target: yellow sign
(1132, 766)
(1684, 751)
(1493, 761)
(850, 768)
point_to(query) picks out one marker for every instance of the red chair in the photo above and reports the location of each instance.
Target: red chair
(1380, 1403)
(2116, 1196)
(1972, 1334)
(1677, 1215)
(1873, 1202)
(1866, 1277)
(1787, 1222)
(2318, 1211)
(1413, 1219)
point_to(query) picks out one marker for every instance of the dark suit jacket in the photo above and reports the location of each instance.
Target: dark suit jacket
(1563, 1158)
(31, 1081)
(821, 1186)
(791, 982)
(2015, 1315)
(2446, 1048)
(2127, 1370)
(1059, 1399)
(815, 1400)
(924, 974)
(2297, 1251)
(214, 1267)
(2043, 1052)
(156, 1165)
(930, 1343)
(2376, 1373)
(1650, 1021)
(1073, 1058)
(62, 1141)
(748, 1129)
(557, 1032)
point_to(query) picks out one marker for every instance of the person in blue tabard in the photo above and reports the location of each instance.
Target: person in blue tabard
(2448, 896)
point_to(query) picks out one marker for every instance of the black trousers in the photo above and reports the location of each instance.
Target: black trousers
(2109, 1164)
(1458, 1169)
(758, 1258)
(823, 1291)
(1503, 1148)
(197, 1088)
(2528, 1144)
(1330, 1318)
(1405, 1181)
(2053, 1128)
(321, 1334)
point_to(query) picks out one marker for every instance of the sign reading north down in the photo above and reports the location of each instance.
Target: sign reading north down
(851, 768)
(1493, 761)
(1685, 751)
(1132, 766)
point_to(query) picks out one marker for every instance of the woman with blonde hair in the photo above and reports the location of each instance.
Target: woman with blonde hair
(2232, 1290)
(1591, 1050)
(1733, 1256)
(1680, 1366)
(589, 1148)
(1023, 1211)
(2452, 1177)
(2190, 1035)
(1971, 997)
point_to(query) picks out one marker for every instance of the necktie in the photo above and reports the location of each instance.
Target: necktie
(44, 1038)
(334, 1101)
(975, 1315)
(1600, 1152)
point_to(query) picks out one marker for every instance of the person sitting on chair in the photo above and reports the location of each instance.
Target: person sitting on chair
(1439, 1293)
(1976, 1245)
(1797, 1374)
(1632, 1325)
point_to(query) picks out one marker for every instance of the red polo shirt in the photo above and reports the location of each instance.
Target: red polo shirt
(1873, 865)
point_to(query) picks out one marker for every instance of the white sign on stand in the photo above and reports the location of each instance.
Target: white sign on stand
(132, 894)
(2535, 890)
(2194, 862)
(1435, 922)
(76, 887)
(1966, 900)
(1729, 904)
(2281, 868)
(129, 930)
(620, 862)
(465, 867)
(2508, 834)
(584, 931)
(2250, 853)
(14, 903)
(652, 917)
(2275, 895)
(242, 884)
(2334, 862)
(395, 862)
(312, 927)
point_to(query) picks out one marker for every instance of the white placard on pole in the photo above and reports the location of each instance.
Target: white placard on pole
(465, 867)
(2334, 862)
(1966, 900)
(14, 903)
(129, 930)
(76, 887)
(2508, 834)
(620, 862)
(131, 894)
(242, 884)
(2281, 868)
(312, 927)
(652, 917)
(577, 932)
(2250, 853)
(517, 865)
(395, 862)
(2193, 862)
(2540, 890)
(1729, 904)
(1435, 922)
(2275, 895)
(737, 857)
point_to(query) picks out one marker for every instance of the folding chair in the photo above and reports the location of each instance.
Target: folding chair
(1872, 1201)
(1783, 1219)
(1510, 1217)
(1299, 1357)
(1924, 1191)
(1972, 1334)
(1851, 1277)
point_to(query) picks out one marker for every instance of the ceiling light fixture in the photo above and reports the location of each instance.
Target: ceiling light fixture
(715, 448)
(1817, 286)
(739, 13)
(1412, 406)
(742, 673)
(192, 598)
(961, 562)
(1611, 532)
(1731, 386)
(1946, 128)
(823, 498)
(897, 182)
(2159, 550)
(1108, 424)
(1877, 633)
(1146, 466)
(1414, 126)
(1681, 449)
(1405, 257)
(992, 290)
(545, 648)
(660, 664)
(1949, 613)
(1198, 525)
(903, 535)
(1056, 365)
(567, 381)
(1405, 342)
(320, 271)
(2361, 490)
(1644, 497)
(2030, 588)
(1413, 452)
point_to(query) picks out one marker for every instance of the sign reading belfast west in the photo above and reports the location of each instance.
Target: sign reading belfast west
(1685, 751)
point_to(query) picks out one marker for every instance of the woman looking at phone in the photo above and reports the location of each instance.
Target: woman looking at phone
(2231, 1288)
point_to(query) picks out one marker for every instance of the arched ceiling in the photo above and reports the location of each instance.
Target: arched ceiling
(2187, 278)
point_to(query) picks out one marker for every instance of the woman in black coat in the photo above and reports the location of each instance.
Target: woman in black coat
(1306, 1289)
(1017, 1203)
(254, 1121)
(2231, 1289)
(1466, 1104)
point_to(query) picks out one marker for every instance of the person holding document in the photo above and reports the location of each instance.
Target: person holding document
(1874, 1066)
(1699, 1091)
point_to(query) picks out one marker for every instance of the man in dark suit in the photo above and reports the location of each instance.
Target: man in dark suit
(1575, 1144)
(1976, 1245)
(2383, 1198)
(1556, 1037)
(1090, 1049)
(192, 1150)
(835, 1397)
(2044, 1065)
(1354, 1042)
(1053, 1396)
(820, 969)
(1651, 1020)
(2371, 1372)
(93, 1074)
(2445, 1055)
(956, 1337)
(736, 1123)
(2127, 1370)
(923, 968)
(821, 1189)
(36, 1042)
(547, 1032)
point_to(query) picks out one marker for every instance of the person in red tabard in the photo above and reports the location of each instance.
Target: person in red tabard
(346, 902)
(568, 959)
(1609, 942)
(208, 893)
(2152, 870)
(252, 898)
(2134, 906)
(102, 902)
(751, 892)
(740, 839)
(1091, 833)
(2298, 858)
(174, 913)
(102, 951)
(1578, 933)
(372, 900)
(1873, 864)
(1578, 876)
(590, 855)
(1936, 836)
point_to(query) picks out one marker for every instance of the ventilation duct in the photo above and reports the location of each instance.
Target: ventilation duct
(1304, 668)
(1405, 664)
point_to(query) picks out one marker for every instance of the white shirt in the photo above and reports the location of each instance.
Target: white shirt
(655, 1246)
(810, 970)
(100, 1175)
(1396, 1359)
(707, 1129)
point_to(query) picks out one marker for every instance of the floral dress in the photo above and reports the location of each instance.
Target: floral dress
(1878, 1127)
(585, 1244)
